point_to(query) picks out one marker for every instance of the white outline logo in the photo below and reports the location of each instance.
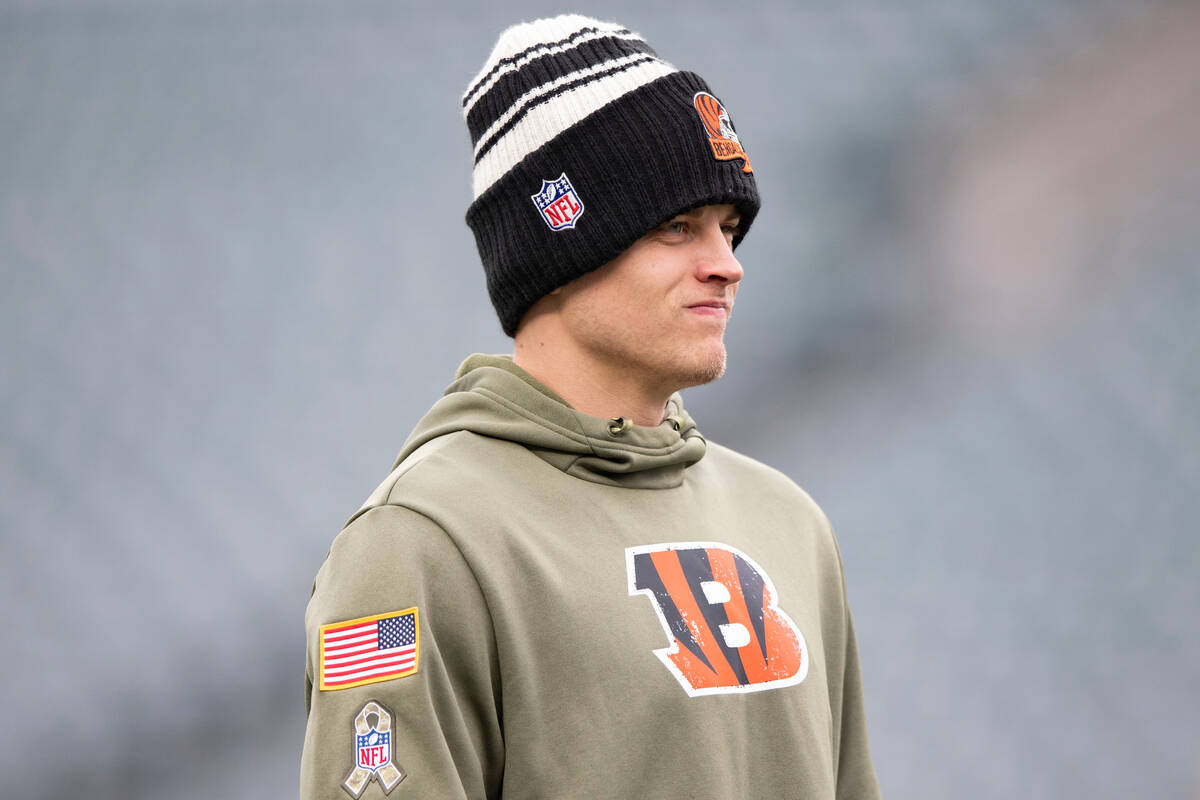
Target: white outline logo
(734, 635)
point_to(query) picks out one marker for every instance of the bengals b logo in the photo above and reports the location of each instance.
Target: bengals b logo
(718, 609)
(725, 143)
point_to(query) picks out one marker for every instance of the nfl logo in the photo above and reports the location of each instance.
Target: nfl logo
(558, 203)
(373, 750)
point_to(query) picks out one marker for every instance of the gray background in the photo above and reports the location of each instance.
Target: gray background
(235, 273)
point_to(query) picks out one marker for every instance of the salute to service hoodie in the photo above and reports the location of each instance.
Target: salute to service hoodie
(537, 603)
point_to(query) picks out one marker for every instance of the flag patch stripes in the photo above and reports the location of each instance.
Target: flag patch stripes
(367, 650)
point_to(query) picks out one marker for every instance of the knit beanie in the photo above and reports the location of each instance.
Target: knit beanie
(585, 140)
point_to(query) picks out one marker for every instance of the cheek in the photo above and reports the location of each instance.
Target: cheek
(596, 312)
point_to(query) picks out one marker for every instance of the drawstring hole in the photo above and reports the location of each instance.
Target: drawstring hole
(618, 425)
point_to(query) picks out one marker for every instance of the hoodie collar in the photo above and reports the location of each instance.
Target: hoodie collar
(492, 396)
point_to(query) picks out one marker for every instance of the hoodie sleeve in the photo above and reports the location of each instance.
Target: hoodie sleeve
(856, 773)
(429, 728)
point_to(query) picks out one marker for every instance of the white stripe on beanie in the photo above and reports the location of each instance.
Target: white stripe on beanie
(617, 62)
(526, 99)
(544, 121)
(493, 70)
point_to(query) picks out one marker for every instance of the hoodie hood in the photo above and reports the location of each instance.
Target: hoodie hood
(491, 396)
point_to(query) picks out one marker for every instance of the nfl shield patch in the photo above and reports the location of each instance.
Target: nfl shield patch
(372, 751)
(558, 203)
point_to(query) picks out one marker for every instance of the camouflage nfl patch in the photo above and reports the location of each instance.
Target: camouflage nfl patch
(373, 752)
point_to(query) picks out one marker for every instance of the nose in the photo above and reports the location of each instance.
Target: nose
(717, 262)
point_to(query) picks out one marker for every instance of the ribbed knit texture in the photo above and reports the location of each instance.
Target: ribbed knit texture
(592, 101)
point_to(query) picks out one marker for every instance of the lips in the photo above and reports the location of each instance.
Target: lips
(710, 307)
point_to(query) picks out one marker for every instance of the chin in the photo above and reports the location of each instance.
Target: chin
(704, 367)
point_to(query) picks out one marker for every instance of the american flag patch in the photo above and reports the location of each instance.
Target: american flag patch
(369, 649)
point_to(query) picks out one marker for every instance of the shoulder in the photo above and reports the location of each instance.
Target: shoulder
(421, 512)
(380, 545)
(757, 478)
(444, 466)
(398, 527)
(391, 557)
(772, 499)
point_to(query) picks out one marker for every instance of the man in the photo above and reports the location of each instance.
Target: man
(562, 590)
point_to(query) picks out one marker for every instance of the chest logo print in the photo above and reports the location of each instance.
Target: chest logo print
(719, 610)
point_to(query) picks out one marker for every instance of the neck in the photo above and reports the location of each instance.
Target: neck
(594, 387)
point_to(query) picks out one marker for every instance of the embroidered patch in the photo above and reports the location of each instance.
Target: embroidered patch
(373, 751)
(724, 140)
(558, 203)
(718, 609)
(369, 649)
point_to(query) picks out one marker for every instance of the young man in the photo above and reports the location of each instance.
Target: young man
(562, 590)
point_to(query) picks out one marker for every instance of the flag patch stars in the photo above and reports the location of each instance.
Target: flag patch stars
(367, 650)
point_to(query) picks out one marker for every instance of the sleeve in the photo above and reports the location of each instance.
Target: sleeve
(429, 729)
(856, 773)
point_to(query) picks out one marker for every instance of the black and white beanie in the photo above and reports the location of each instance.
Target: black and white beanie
(585, 140)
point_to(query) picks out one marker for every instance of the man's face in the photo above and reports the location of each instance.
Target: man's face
(657, 312)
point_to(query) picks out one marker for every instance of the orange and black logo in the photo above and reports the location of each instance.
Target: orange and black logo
(724, 140)
(718, 609)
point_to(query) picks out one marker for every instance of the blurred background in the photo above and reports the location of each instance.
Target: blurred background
(235, 273)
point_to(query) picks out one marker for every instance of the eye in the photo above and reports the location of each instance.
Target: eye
(675, 226)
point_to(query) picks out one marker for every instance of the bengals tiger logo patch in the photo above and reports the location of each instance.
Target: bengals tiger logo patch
(721, 136)
(719, 611)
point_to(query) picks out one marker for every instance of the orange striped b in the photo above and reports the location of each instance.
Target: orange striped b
(719, 611)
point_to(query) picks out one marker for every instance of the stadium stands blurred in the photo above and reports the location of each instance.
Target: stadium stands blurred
(235, 273)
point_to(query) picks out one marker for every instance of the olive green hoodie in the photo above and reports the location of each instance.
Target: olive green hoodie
(570, 606)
